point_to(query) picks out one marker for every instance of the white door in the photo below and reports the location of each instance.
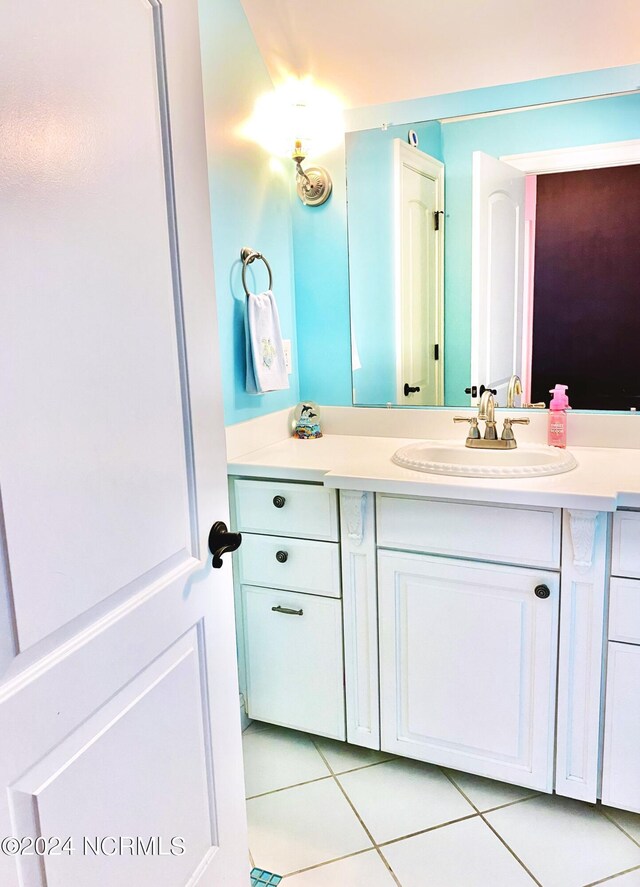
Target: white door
(468, 665)
(119, 716)
(497, 287)
(419, 213)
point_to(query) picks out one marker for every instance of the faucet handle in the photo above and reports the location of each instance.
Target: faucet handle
(474, 431)
(507, 432)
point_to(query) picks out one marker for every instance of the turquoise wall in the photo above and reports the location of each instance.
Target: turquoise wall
(320, 236)
(250, 202)
(322, 291)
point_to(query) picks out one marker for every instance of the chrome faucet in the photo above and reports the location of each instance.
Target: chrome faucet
(486, 414)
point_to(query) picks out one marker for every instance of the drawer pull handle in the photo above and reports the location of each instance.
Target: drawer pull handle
(287, 610)
(279, 501)
(542, 591)
(282, 556)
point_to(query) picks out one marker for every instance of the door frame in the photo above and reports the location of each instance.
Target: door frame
(573, 159)
(406, 155)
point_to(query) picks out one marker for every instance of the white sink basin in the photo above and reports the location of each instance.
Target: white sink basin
(451, 457)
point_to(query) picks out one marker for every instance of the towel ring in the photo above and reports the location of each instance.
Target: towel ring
(249, 256)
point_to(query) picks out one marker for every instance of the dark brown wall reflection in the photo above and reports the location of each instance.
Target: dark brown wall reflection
(586, 309)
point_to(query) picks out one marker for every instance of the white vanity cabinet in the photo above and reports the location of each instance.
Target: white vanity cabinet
(290, 608)
(466, 634)
(468, 649)
(621, 760)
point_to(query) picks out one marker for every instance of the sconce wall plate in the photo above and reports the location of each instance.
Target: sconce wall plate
(317, 189)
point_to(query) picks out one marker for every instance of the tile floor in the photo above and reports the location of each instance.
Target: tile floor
(325, 814)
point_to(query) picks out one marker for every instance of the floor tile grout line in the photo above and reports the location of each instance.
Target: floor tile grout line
(478, 813)
(331, 775)
(498, 806)
(424, 831)
(379, 846)
(362, 767)
(360, 820)
(337, 774)
(609, 878)
(617, 825)
(382, 844)
(320, 865)
(388, 866)
(348, 799)
(316, 743)
(511, 851)
(489, 826)
(318, 778)
(284, 788)
(510, 804)
(457, 787)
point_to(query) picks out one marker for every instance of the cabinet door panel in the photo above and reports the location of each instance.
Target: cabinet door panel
(468, 665)
(621, 767)
(295, 671)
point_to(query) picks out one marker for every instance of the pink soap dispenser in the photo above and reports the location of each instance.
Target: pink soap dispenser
(558, 416)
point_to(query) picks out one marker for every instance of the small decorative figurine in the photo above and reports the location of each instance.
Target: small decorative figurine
(307, 421)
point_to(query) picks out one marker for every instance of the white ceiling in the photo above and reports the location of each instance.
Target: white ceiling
(375, 51)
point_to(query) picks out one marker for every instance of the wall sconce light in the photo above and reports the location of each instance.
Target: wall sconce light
(313, 184)
(292, 121)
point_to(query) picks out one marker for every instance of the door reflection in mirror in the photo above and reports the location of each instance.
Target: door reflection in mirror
(485, 337)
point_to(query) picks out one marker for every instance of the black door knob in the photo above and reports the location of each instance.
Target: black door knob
(221, 541)
(494, 391)
(410, 389)
(279, 501)
(542, 591)
(282, 556)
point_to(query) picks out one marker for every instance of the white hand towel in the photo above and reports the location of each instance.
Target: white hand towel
(266, 369)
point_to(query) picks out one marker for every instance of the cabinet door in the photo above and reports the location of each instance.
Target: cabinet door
(621, 768)
(468, 656)
(295, 671)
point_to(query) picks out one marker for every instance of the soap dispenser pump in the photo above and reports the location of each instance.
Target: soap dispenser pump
(558, 416)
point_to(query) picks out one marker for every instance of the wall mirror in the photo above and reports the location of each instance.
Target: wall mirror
(502, 243)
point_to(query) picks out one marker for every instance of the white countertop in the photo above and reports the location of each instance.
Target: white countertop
(605, 479)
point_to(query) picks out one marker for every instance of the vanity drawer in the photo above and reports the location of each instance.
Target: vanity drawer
(624, 611)
(527, 536)
(625, 551)
(295, 564)
(295, 671)
(307, 511)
